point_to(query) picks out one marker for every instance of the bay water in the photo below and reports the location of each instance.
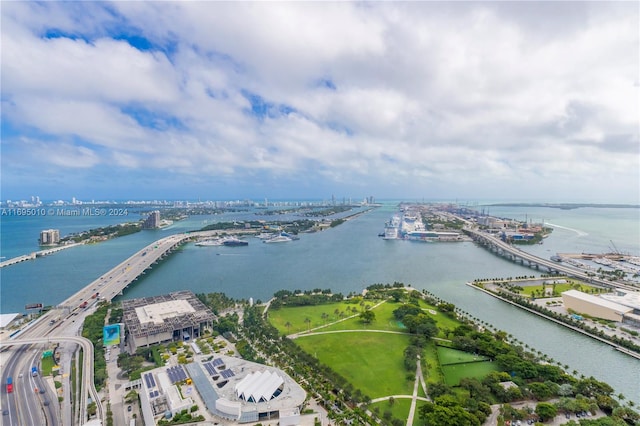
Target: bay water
(345, 259)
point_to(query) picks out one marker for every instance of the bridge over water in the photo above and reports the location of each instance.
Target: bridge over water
(501, 248)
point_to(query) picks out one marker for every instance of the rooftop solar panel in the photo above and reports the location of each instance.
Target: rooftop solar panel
(227, 373)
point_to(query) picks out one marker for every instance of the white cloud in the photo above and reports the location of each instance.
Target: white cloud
(470, 96)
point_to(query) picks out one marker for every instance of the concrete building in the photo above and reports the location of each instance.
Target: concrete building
(232, 389)
(49, 237)
(243, 392)
(594, 306)
(161, 319)
(152, 221)
(630, 299)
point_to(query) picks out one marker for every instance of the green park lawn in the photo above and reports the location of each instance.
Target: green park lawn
(454, 356)
(399, 409)
(530, 290)
(373, 361)
(455, 372)
(370, 361)
(457, 365)
(339, 317)
(295, 316)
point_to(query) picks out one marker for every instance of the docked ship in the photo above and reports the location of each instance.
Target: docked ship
(278, 239)
(283, 237)
(392, 229)
(234, 242)
(265, 235)
(209, 243)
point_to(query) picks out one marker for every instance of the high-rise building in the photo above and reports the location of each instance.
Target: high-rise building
(49, 237)
(152, 221)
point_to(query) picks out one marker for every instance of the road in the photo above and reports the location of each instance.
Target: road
(63, 324)
(26, 415)
(30, 401)
(568, 270)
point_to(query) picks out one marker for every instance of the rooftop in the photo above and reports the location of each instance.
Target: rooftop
(597, 300)
(165, 313)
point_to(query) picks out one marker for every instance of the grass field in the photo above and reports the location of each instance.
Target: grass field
(372, 362)
(457, 365)
(295, 316)
(577, 285)
(455, 372)
(384, 320)
(399, 409)
(453, 356)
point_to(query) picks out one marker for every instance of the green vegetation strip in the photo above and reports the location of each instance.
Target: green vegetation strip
(46, 365)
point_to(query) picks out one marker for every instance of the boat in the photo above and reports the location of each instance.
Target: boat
(556, 258)
(391, 228)
(278, 239)
(286, 234)
(265, 235)
(209, 243)
(234, 242)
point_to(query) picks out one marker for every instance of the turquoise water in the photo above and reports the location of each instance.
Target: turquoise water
(347, 259)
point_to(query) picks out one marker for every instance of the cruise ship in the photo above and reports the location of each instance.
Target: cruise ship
(392, 228)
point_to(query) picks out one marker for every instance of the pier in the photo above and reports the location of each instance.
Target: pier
(501, 248)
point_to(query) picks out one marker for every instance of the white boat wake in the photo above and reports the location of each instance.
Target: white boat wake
(577, 231)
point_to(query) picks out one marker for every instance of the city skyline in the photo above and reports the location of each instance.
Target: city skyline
(209, 100)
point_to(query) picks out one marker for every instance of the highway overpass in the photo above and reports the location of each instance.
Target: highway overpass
(62, 324)
(87, 380)
(514, 253)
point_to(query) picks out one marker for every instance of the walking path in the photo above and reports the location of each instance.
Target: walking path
(414, 397)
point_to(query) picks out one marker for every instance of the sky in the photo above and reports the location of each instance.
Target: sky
(397, 100)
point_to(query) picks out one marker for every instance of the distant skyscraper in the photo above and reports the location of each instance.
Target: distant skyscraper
(49, 237)
(153, 221)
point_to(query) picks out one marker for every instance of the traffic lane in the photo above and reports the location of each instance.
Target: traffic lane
(10, 369)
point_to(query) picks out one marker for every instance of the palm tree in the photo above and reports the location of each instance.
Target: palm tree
(288, 325)
(308, 321)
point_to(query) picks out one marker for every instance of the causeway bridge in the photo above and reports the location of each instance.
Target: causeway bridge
(35, 254)
(501, 248)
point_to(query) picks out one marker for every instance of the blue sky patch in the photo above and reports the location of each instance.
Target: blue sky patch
(261, 109)
(156, 120)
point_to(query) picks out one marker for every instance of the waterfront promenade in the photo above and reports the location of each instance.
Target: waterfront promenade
(547, 317)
